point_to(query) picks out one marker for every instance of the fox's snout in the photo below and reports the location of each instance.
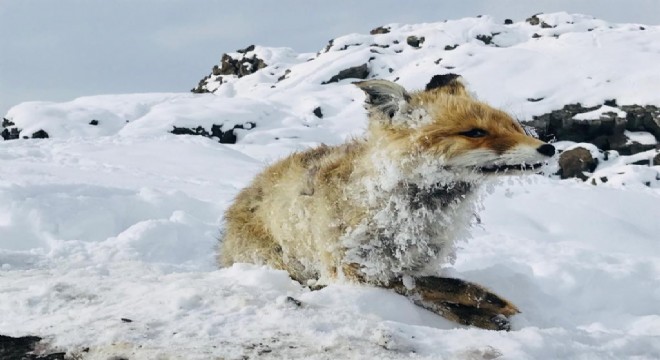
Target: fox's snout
(546, 149)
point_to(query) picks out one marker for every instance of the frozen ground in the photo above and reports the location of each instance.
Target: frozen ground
(108, 232)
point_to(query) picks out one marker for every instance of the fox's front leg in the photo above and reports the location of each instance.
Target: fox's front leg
(460, 301)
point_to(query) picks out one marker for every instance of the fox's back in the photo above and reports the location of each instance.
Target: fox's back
(292, 214)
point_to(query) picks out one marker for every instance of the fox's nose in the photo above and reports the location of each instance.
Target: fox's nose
(546, 149)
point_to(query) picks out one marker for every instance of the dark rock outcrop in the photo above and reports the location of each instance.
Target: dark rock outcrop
(486, 39)
(224, 137)
(22, 348)
(40, 135)
(415, 41)
(379, 30)
(318, 113)
(9, 130)
(643, 118)
(534, 20)
(238, 66)
(10, 133)
(575, 162)
(607, 132)
(355, 72)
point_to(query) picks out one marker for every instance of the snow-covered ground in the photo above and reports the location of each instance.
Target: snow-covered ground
(108, 233)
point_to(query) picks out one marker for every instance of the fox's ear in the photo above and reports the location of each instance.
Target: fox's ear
(385, 96)
(448, 83)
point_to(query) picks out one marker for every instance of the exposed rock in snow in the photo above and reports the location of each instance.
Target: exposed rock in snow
(575, 162)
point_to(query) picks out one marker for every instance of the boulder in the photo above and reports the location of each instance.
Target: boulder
(415, 41)
(355, 72)
(40, 135)
(318, 113)
(575, 162)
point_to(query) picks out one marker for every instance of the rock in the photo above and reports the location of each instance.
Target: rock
(286, 72)
(611, 102)
(356, 72)
(451, 47)
(238, 66)
(10, 134)
(94, 122)
(22, 348)
(415, 41)
(379, 30)
(656, 159)
(643, 162)
(643, 118)
(190, 131)
(40, 135)
(486, 39)
(329, 46)
(573, 163)
(534, 20)
(294, 301)
(560, 125)
(9, 131)
(7, 123)
(246, 50)
(508, 22)
(224, 137)
(216, 70)
(607, 132)
(317, 111)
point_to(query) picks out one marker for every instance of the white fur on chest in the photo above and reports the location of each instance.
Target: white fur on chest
(409, 230)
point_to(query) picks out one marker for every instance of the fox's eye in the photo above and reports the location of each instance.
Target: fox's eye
(474, 133)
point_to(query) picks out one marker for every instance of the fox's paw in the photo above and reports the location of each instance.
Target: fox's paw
(462, 301)
(473, 316)
(464, 293)
(501, 322)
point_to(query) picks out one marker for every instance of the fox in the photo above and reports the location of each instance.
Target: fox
(386, 209)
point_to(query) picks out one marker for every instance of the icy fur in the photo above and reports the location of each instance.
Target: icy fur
(415, 216)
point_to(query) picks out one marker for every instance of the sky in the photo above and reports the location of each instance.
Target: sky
(59, 50)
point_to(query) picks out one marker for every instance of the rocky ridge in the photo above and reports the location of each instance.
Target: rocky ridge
(566, 101)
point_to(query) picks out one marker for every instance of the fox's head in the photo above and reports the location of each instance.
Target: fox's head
(444, 122)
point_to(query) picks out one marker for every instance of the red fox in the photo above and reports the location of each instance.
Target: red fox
(386, 209)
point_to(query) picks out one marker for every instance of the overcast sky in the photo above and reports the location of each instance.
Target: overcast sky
(61, 49)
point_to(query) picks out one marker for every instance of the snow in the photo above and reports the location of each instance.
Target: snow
(121, 220)
(600, 112)
(642, 137)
